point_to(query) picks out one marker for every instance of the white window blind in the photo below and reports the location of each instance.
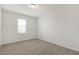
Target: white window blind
(21, 26)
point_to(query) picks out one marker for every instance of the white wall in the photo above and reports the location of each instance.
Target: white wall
(61, 26)
(0, 26)
(10, 27)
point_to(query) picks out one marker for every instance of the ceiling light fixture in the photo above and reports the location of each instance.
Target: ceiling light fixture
(33, 5)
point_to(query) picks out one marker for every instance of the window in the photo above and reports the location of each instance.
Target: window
(21, 26)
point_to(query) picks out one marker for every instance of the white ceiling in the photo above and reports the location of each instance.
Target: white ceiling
(34, 12)
(24, 9)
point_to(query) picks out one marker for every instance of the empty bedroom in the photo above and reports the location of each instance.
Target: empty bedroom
(39, 29)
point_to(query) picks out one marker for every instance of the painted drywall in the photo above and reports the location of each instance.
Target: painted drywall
(0, 25)
(10, 29)
(61, 26)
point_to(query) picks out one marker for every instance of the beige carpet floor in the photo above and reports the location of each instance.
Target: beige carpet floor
(35, 47)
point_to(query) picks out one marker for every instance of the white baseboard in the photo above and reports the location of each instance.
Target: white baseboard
(63, 45)
(15, 41)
